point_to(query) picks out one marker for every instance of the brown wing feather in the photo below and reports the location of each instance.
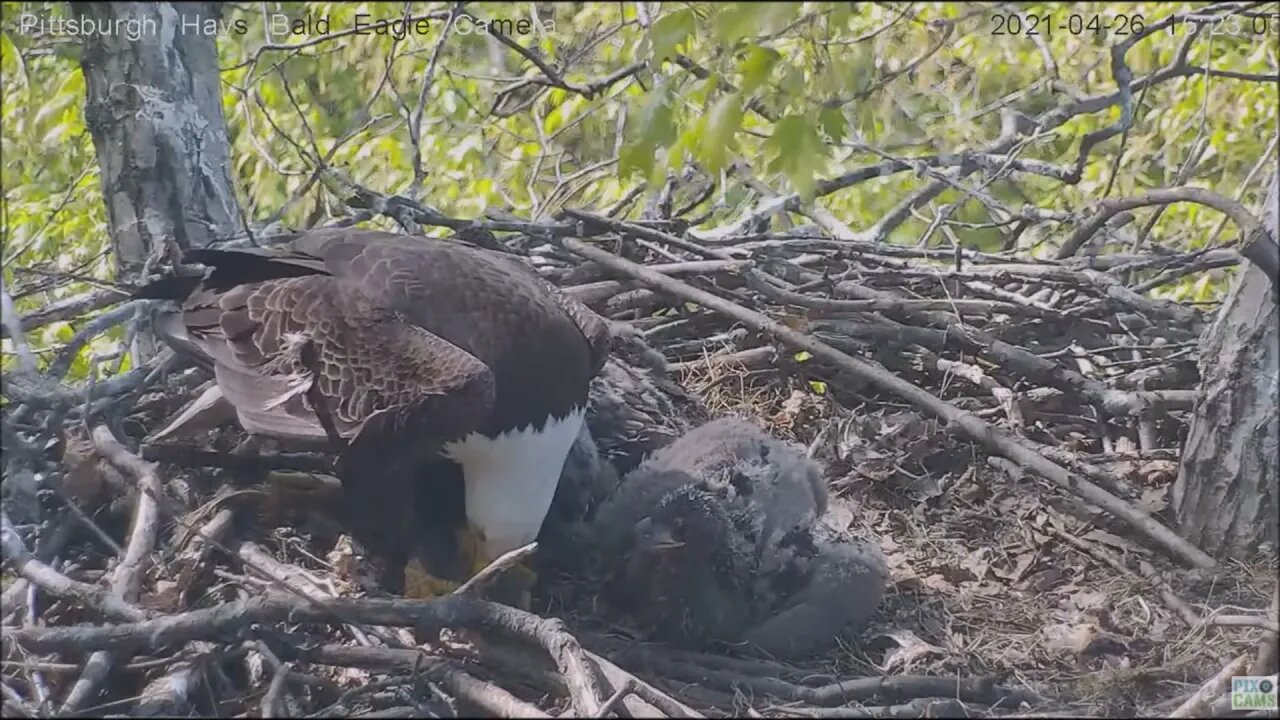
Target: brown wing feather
(523, 333)
(363, 359)
(363, 252)
(396, 390)
(593, 327)
(403, 340)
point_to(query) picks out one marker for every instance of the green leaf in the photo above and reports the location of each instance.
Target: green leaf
(797, 152)
(57, 333)
(756, 67)
(818, 387)
(11, 59)
(722, 124)
(636, 158)
(833, 123)
(653, 127)
(658, 175)
(776, 15)
(803, 356)
(734, 21)
(668, 32)
(839, 14)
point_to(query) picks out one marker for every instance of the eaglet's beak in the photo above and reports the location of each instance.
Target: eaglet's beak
(655, 538)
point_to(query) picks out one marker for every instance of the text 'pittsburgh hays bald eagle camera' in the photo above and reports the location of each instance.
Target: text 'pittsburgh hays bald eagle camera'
(454, 379)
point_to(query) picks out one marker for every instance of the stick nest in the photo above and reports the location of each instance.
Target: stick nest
(149, 580)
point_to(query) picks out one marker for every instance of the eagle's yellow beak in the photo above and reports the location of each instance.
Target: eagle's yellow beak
(420, 584)
(471, 552)
(513, 587)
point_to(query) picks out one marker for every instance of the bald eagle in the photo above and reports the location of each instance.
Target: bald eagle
(453, 379)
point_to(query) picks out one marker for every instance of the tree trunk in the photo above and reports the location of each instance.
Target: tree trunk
(154, 109)
(1225, 496)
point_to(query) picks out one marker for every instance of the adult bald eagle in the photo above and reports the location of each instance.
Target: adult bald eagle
(454, 379)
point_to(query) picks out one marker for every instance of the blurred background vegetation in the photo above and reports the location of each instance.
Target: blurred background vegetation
(796, 92)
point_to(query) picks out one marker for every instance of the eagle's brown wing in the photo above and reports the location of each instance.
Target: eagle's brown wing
(288, 352)
(291, 336)
(397, 343)
(593, 327)
(356, 256)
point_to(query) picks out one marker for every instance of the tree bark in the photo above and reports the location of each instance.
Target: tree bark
(154, 109)
(1225, 496)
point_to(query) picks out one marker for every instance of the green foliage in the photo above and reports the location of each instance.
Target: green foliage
(668, 32)
(799, 92)
(731, 22)
(719, 131)
(756, 67)
(795, 150)
(653, 127)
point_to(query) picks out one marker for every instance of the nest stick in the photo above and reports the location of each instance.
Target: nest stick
(126, 578)
(493, 570)
(973, 427)
(1196, 705)
(486, 696)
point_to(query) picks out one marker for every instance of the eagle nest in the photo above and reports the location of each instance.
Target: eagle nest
(197, 579)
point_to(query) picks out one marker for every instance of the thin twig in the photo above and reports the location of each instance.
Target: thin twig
(495, 569)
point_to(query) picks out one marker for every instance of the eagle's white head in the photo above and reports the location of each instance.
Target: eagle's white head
(510, 479)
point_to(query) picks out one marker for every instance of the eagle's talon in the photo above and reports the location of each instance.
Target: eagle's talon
(523, 576)
(514, 584)
(471, 542)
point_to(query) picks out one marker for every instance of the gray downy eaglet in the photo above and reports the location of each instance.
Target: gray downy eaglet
(718, 538)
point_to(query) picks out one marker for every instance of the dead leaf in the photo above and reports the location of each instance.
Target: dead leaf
(164, 598)
(1103, 537)
(342, 557)
(987, 589)
(939, 583)
(1154, 500)
(911, 649)
(1158, 472)
(1088, 599)
(976, 563)
(1020, 566)
(1046, 580)
(1085, 641)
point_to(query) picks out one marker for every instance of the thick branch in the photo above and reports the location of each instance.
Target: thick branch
(1107, 209)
